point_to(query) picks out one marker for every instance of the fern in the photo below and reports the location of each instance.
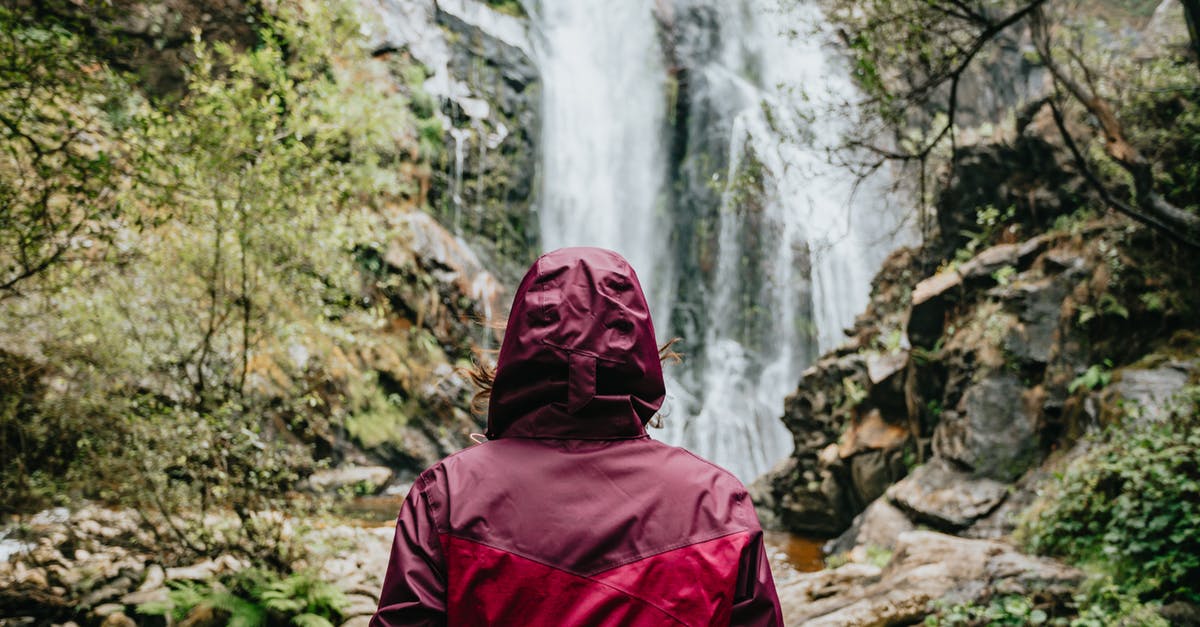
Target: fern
(311, 620)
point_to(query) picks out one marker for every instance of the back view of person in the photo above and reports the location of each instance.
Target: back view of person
(570, 514)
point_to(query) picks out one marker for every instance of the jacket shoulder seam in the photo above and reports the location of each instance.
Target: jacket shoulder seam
(726, 473)
(674, 547)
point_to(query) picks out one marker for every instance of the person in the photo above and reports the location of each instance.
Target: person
(570, 514)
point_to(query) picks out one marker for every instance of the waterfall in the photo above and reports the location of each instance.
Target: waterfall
(603, 162)
(794, 244)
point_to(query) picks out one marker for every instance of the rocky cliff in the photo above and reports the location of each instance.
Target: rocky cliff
(980, 364)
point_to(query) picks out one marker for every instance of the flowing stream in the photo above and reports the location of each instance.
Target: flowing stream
(793, 262)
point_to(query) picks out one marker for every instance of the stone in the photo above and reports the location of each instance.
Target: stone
(1039, 313)
(155, 577)
(871, 473)
(926, 567)
(992, 433)
(359, 605)
(35, 577)
(1181, 613)
(153, 595)
(196, 572)
(946, 498)
(108, 609)
(881, 367)
(351, 477)
(879, 525)
(931, 300)
(990, 260)
(934, 286)
(118, 619)
(822, 584)
(1146, 394)
(114, 589)
(871, 432)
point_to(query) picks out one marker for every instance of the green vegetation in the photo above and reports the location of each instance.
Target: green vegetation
(508, 7)
(1094, 378)
(167, 264)
(1129, 507)
(1005, 610)
(255, 598)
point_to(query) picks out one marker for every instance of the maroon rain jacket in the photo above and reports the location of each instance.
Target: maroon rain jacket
(570, 514)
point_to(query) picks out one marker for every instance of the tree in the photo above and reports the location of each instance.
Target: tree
(61, 156)
(910, 56)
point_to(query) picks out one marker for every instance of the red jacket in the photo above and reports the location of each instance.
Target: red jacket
(570, 514)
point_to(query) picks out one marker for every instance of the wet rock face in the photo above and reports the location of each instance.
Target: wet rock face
(486, 93)
(500, 139)
(993, 433)
(967, 373)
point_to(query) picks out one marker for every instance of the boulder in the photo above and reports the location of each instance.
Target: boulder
(373, 477)
(118, 619)
(359, 605)
(1039, 305)
(944, 497)
(927, 567)
(992, 433)
(880, 525)
(155, 578)
(196, 572)
(1146, 394)
(871, 432)
(797, 595)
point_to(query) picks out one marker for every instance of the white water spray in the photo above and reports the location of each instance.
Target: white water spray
(603, 163)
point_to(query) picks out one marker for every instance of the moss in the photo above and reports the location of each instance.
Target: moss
(508, 7)
(382, 421)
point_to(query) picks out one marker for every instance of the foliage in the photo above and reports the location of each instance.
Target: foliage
(1002, 610)
(1113, 110)
(1094, 378)
(216, 486)
(1129, 505)
(1098, 604)
(990, 221)
(206, 241)
(58, 178)
(508, 7)
(254, 598)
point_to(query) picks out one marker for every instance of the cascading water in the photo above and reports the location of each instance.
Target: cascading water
(603, 163)
(792, 268)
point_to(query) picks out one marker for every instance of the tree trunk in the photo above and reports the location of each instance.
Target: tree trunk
(1191, 11)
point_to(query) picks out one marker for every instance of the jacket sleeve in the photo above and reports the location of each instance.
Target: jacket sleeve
(414, 588)
(755, 602)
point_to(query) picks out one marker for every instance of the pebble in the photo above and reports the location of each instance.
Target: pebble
(118, 619)
(108, 609)
(155, 577)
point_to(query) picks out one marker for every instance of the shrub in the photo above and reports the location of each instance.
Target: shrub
(1130, 507)
(256, 598)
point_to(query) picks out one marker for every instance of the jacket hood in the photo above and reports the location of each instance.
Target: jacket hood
(579, 358)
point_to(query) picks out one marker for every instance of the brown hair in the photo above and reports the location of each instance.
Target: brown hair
(483, 374)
